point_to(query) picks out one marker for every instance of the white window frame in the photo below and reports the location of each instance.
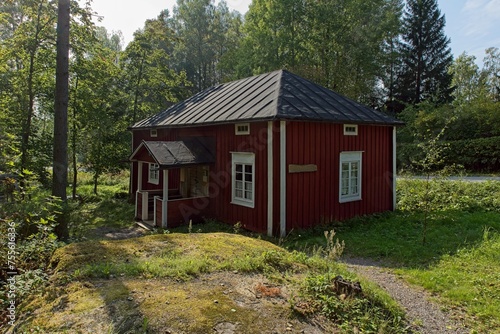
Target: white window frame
(352, 160)
(154, 173)
(348, 127)
(245, 160)
(240, 132)
(153, 133)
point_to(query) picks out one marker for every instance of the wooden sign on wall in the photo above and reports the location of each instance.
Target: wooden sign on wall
(302, 168)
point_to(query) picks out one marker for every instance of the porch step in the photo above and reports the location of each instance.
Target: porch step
(147, 225)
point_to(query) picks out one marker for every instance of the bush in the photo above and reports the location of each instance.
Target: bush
(449, 195)
(31, 214)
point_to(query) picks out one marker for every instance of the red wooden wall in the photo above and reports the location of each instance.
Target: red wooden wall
(313, 197)
(220, 173)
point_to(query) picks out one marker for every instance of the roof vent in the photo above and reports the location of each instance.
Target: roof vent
(242, 129)
(350, 129)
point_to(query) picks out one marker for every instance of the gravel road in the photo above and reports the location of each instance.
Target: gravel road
(424, 315)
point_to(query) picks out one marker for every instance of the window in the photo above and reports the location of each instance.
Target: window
(242, 129)
(350, 130)
(350, 176)
(153, 133)
(154, 174)
(243, 179)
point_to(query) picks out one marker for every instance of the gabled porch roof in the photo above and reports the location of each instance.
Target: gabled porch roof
(172, 154)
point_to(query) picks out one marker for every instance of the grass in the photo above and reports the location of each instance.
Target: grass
(109, 208)
(178, 256)
(460, 260)
(469, 278)
(93, 280)
(109, 274)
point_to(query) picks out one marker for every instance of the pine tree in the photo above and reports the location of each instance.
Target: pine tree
(426, 55)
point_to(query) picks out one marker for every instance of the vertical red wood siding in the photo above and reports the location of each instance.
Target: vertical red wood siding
(313, 197)
(219, 206)
(198, 208)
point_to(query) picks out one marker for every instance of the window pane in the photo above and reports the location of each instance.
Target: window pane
(239, 168)
(238, 185)
(345, 186)
(248, 168)
(239, 176)
(354, 186)
(248, 177)
(238, 193)
(248, 194)
(248, 186)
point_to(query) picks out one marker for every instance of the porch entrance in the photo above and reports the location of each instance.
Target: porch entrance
(173, 181)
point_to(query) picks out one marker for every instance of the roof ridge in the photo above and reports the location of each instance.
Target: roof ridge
(279, 97)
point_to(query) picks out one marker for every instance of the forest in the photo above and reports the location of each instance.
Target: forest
(389, 54)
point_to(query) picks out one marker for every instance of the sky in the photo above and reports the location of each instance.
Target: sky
(472, 25)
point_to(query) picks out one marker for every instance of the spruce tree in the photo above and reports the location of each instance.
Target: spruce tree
(425, 55)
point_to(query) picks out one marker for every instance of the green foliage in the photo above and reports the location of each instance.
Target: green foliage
(108, 209)
(466, 79)
(340, 45)
(426, 55)
(31, 214)
(449, 195)
(365, 313)
(207, 36)
(481, 154)
(492, 72)
(469, 138)
(150, 82)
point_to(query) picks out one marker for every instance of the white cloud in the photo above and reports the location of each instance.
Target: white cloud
(482, 17)
(472, 5)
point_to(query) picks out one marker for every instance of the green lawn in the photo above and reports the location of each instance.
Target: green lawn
(460, 260)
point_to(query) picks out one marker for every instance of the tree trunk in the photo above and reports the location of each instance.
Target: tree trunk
(60, 156)
(33, 49)
(96, 182)
(136, 97)
(73, 144)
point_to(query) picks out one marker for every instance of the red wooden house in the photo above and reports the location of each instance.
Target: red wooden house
(275, 152)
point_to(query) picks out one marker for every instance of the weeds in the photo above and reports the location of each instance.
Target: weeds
(237, 228)
(351, 313)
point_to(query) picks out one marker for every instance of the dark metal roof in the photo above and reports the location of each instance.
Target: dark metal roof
(189, 151)
(274, 95)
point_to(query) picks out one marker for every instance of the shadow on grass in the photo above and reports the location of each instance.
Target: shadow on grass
(106, 213)
(108, 279)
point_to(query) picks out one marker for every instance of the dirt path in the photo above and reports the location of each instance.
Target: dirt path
(424, 315)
